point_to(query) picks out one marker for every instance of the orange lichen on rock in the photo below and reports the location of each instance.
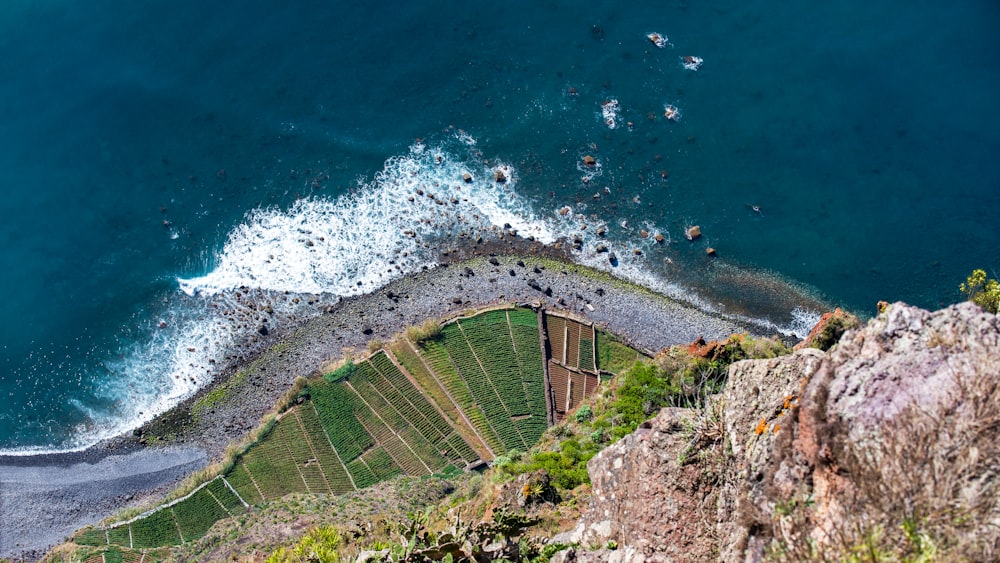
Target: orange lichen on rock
(761, 426)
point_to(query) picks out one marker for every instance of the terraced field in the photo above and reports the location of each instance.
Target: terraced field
(574, 367)
(483, 386)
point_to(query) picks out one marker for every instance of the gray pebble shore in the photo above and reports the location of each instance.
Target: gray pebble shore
(43, 499)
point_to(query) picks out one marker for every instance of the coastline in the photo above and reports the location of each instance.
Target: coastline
(137, 467)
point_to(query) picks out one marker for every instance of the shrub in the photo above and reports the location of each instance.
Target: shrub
(584, 413)
(981, 291)
(427, 330)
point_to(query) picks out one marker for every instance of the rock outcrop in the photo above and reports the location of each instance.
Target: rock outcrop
(889, 443)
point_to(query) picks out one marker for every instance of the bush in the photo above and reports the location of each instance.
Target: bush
(427, 330)
(981, 291)
(584, 413)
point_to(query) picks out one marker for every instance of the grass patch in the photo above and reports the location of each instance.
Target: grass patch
(614, 356)
(341, 373)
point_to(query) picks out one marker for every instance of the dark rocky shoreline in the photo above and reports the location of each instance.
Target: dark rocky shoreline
(199, 429)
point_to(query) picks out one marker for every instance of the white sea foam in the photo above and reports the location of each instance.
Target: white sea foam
(379, 232)
(388, 226)
(609, 112)
(691, 62)
(658, 39)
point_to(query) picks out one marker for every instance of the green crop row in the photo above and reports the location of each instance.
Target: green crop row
(362, 474)
(587, 354)
(573, 344)
(531, 428)
(402, 406)
(364, 387)
(523, 317)
(336, 473)
(334, 405)
(437, 357)
(482, 389)
(430, 455)
(531, 364)
(462, 449)
(226, 497)
(240, 479)
(412, 363)
(403, 457)
(381, 464)
(492, 344)
(272, 465)
(119, 536)
(196, 514)
(156, 530)
(91, 537)
(411, 394)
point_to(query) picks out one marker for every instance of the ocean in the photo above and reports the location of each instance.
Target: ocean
(161, 159)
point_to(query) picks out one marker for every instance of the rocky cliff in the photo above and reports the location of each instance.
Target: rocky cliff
(884, 447)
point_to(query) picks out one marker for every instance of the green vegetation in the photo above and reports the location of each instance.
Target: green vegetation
(159, 528)
(374, 419)
(614, 356)
(982, 291)
(502, 538)
(119, 536)
(674, 378)
(91, 536)
(343, 372)
(427, 330)
(196, 514)
(486, 395)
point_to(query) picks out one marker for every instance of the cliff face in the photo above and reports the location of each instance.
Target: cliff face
(888, 444)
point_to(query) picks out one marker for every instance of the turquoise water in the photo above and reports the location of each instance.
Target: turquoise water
(157, 155)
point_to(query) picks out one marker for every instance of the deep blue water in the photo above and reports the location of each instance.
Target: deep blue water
(136, 138)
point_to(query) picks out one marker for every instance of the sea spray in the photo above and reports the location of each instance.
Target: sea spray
(382, 230)
(281, 266)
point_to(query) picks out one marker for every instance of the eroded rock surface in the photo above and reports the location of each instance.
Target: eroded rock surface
(647, 474)
(890, 440)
